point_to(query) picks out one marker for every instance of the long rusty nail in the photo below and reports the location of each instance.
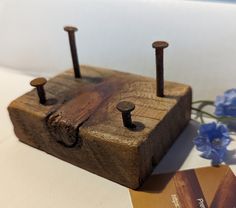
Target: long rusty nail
(39, 83)
(71, 34)
(125, 108)
(159, 46)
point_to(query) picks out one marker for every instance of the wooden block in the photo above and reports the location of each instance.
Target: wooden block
(81, 125)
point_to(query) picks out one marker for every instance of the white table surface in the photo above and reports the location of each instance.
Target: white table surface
(30, 178)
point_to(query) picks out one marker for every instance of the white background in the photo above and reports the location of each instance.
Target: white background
(118, 34)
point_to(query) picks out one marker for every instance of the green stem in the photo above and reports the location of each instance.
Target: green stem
(226, 118)
(201, 118)
(204, 112)
(213, 116)
(203, 101)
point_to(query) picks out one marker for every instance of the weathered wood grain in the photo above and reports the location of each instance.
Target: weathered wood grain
(225, 195)
(28, 116)
(82, 114)
(162, 119)
(189, 189)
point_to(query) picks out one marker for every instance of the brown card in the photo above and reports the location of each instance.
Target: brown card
(213, 187)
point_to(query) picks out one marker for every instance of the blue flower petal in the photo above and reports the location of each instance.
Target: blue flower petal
(219, 104)
(226, 104)
(205, 129)
(225, 141)
(217, 156)
(219, 100)
(212, 141)
(206, 154)
(222, 128)
(230, 92)
(230, 110)
(202, 144)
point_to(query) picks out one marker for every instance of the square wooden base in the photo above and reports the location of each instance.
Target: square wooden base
(81, 125)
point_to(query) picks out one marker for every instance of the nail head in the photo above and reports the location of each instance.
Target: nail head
(70, 29)
(160, 44)
(125, 106)
(40, 81)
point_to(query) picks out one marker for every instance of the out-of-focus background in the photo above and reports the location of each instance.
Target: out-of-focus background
(118, 34)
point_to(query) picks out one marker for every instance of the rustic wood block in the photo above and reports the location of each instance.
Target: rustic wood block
(28, 115)
(81, 125)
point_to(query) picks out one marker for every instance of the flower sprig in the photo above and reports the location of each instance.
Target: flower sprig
(213, 138)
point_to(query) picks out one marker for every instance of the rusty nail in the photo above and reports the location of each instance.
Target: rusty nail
(125, 108)
(39, 83)
(71, 34)
(159, 46)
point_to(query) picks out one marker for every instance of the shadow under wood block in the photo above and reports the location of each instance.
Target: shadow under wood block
(82, 125)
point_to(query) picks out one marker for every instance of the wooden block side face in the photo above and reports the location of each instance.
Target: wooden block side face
(164, 135)
(29, 128)
(160, 121)
(109, 160)
(84, 114)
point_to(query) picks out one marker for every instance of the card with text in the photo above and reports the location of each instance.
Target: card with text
(210, 187)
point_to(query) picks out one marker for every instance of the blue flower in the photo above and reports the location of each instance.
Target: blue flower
(226, 104)
(212, 141)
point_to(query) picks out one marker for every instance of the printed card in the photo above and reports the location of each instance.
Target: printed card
(213, 187)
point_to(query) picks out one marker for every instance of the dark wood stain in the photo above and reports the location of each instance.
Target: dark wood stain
(188, 189)
(226, 194)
